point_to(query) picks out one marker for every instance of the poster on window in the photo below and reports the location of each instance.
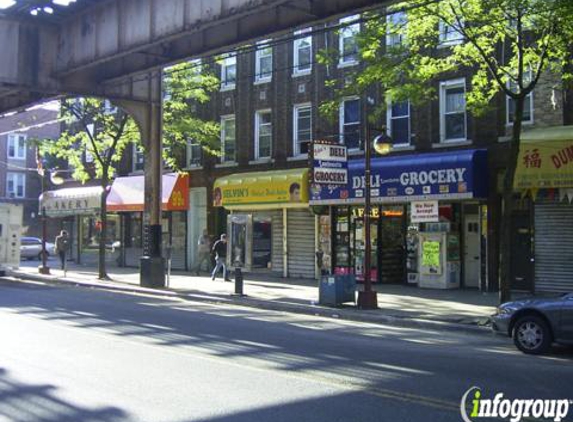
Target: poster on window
(431, 262)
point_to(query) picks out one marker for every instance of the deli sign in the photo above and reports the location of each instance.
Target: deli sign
(330, 164)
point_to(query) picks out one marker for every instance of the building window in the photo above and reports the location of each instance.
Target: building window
(138, 158)
(302, 119)
(453, 119)
(194, 154)
(347, 40)
(350, 123)
(15, 185)
(264, 62)
(396, 29)
(263, 134)
(228, 139)
(449, 35)
(302, 50)
(527, 107)
(17, 146)
(229, 71)
(398, 122)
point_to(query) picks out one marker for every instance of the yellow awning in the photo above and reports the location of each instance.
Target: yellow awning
(282, 188)
(545, 159)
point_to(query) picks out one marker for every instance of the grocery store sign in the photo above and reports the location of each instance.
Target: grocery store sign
(330, 164)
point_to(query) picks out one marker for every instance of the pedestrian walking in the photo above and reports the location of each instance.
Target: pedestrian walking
(62, 244)
(203, 251)
(220, 251)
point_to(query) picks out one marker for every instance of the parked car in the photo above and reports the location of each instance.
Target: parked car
(535, 323)
(31, 248)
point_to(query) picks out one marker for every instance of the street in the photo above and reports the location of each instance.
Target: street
(76, 354)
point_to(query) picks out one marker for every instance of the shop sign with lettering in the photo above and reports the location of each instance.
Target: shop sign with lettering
(330, 166)
(435, 176)
(425, 212)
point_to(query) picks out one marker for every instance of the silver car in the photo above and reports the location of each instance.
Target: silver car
(535, 323)
(31, 248)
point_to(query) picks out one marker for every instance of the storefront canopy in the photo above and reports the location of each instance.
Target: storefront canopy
(272, 189)
(127, 193)
(71, 201)
(443, 176)
(545, 159)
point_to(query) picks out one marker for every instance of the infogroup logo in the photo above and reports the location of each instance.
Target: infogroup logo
(512, 409)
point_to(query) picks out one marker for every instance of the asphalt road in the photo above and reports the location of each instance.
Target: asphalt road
(76, 354)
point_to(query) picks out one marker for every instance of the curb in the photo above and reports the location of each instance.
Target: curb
(344, 314)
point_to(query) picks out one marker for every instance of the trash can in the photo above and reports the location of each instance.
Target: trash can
(334, 290)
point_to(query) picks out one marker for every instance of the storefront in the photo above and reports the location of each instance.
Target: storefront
(428, 220)
(544, 180)
(270, 226)
(77, 210)
(126, 198)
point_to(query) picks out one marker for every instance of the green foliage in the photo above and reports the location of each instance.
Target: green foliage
(502, 41)
(91, 129)
(187, 87)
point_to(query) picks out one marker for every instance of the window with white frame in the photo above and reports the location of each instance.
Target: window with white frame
(302, 121)
(396, 29)
(264, 61)
(229, 71)
(453, 118)
(347, 40)
(350, 123)
(17, 146)
(302, 50)
(138, 158)
(527, 106)
(398, 122)
(263, 134)
(15, 185)
(449, 35)
(194, 153)
(228, 139)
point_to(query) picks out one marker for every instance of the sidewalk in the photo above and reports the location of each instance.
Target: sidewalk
(399, 305)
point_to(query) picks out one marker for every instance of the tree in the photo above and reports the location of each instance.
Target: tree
(93, 143)
(187, 86)
(508, 45)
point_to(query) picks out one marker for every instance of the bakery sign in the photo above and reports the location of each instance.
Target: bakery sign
(71, 201)
(330, 164)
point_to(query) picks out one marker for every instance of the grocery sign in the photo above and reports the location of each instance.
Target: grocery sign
(330, 164)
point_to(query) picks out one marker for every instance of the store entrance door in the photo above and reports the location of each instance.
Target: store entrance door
(262, 242)
(392, 245)
(472, 244)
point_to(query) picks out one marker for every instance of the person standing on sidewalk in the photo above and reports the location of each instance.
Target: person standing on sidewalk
(62, 244)
(203, 251)
(220, 251)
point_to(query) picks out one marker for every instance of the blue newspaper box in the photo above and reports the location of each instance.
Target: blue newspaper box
(334, 290)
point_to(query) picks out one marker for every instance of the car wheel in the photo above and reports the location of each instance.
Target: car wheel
(532, 335)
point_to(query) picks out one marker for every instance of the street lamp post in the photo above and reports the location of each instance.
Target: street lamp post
(367, 298)
(44, 269)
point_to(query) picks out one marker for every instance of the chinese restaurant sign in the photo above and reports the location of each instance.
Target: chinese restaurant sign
(544, 164)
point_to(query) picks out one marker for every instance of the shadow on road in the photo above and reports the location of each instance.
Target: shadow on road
(26, 402)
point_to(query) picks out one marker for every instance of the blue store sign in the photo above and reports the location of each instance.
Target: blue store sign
(447, 175)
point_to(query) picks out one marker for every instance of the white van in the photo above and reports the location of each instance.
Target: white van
(10, 230)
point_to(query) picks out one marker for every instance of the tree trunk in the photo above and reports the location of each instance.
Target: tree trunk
(506, 220)
(102, 273)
